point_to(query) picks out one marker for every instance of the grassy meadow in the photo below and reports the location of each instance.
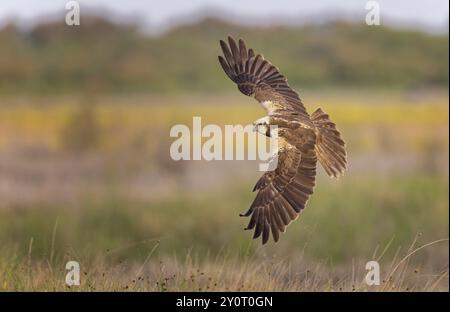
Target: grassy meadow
(89, 178)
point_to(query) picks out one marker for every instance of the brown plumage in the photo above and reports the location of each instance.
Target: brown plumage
(303, 139)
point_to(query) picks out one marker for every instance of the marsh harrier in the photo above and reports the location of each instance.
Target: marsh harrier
(302, 138)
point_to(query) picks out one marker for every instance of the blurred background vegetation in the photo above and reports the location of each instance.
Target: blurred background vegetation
(85, 114)
(53, 58)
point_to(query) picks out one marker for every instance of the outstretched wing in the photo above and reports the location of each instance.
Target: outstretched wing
(257, 77)
(283, 193)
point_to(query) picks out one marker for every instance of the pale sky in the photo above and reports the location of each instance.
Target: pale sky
(426, 14)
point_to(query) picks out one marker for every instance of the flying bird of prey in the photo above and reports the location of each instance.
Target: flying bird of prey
(302, 139)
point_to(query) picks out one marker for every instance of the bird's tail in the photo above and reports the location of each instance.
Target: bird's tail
(330, 148)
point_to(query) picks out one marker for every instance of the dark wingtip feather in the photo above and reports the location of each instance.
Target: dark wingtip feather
(234, 49)
(266, 232)
(259, 225)
(223, 45)
(276, 237)
(227, 53)
(243, 50)
(226, 68)
(248, 212)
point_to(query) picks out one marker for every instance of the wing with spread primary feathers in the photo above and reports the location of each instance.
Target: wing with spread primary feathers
(257, 77)
(283, 193)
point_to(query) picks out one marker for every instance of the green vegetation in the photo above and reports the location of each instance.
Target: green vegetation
(127, 212)
(344, 220)
(104, 57)
(178, 240)
(82, 131)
